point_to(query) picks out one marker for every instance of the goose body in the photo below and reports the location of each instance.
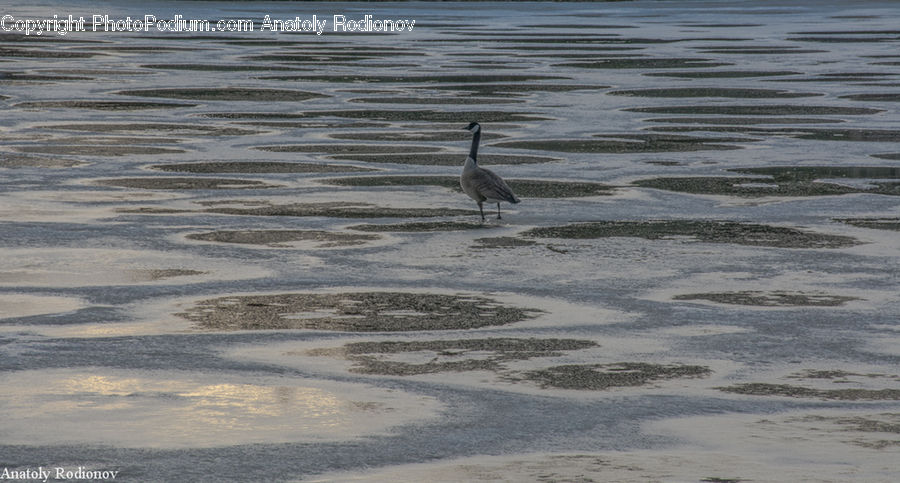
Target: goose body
(483, 184)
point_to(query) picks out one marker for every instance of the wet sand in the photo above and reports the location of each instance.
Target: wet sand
(245, 256)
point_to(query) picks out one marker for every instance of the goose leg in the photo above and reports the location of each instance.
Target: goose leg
(498, 211)
(481, 210)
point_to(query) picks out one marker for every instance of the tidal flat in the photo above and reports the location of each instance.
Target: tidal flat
(245, 256)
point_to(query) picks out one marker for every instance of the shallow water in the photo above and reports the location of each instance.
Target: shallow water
(215, 246)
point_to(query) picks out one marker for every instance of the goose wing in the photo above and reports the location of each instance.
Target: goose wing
(493, 187)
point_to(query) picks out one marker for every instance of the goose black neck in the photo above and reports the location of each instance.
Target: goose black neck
(473, 152)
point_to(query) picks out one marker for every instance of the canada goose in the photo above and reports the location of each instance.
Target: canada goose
(482, 184)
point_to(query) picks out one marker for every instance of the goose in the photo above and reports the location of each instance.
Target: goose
(483, 184)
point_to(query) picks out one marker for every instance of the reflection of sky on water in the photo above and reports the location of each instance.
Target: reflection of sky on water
(187, 410)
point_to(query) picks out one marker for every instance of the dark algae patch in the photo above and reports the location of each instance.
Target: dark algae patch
(100, 105)
(336, 209)
(645, 63)
(865, 135)
(283, 238)
(741, 186)
(822, 378)
(455, 101)
(872, 430)
(598, 377)
(142, 128)
(391, 115)
(760, 110)
(353, 312)
(844, 39)
(838, 375)
(873, 425)
(418, 79)
(760, 51)
(225, 94)
(257, 167)
(23, 78)
(818, 134)
(522, 187)
(427, 226)
(516, 89)
(97, 150)
(874, 223)
(457, 135)
(701, 231)
(770, 299)
(801, 173)
(323, 57)
(785, 181)
(315, 124)
(743, 121)
(218, 67)
(153, 274)
(23, 161)
(713, 92)
(788, 390)
(561, 40)
(627, 143)
(502, 242)
(441, 159)
(347, 148)
(449, 355)
(882, 97)
(44, 53)
(722, 74)
(451, 182)
(184, 183)
(843, 77)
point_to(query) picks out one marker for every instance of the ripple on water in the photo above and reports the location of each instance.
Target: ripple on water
(22, 161)
(170, 183)
(348, 148)
(442, 159)
(628, 143)
(759, 110)
(257, 167)
(193, 129)
(463, 117)
(225, 94)
(100, 105)
(731, 92)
